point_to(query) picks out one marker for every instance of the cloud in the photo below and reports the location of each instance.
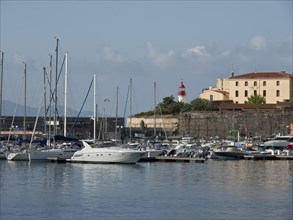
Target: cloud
(257, 42)
(226, 53)
(195, 51)
(112, 55)
(18, 59)
(160, 59)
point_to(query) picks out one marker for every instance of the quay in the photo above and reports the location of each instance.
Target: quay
(180, 159)
(57, 159)
(192, 159)
(156, 159)
(267, 157)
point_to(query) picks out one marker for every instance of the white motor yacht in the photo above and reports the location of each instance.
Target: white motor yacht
(279, 142)
(109, 154)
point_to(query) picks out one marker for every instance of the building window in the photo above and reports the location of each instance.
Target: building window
(236, 93)
(236, 83)
(245, 93)
(278, 83)
(254, 83)
(278, 93)
(264, 83)
(211, 98)
(245, 83)
(254, 93)
(264, 93)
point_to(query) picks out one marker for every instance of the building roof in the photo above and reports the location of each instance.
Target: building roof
(217, 91)
(253, 75)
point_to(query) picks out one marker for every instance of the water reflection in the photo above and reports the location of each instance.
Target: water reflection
(213, 190)
(98, 177)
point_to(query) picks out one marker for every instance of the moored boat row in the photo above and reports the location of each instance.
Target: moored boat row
(138, 152)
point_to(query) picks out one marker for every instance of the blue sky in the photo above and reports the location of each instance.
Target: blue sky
(148, 41)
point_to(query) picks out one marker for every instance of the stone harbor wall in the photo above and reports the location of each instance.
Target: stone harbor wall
(229, 123)
(219, 123)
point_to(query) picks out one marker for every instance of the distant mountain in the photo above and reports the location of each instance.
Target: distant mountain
(8, 109)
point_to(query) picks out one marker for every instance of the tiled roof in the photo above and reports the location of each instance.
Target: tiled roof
(215, 90)
(281, 74)
(222, 92)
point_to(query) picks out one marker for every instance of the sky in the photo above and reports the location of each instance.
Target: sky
(149, 42)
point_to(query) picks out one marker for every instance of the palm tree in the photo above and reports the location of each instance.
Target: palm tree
(256, 99)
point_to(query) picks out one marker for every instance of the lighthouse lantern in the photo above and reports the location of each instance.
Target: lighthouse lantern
(181, 93)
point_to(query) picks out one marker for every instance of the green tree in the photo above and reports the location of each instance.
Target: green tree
(256, 99)
(199, 104)
(170, 106)
(186, 107)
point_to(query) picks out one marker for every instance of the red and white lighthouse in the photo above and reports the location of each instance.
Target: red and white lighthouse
(181, 93)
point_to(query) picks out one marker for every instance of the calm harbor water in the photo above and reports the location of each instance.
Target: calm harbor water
(212, 190)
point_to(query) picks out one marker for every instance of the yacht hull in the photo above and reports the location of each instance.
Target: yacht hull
(223, 155)
(45, 154)
(107, 157)
(23, 156)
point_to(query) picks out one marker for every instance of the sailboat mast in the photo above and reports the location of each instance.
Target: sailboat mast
(95, 107)
(130, 109)
(56, 82)
(50, 88)
(116, 122)
(155, 120)
(24, 122)
(65, 97)
(1, 92)
(45, 104)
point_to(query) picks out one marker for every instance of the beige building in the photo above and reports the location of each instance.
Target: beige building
(273, 86)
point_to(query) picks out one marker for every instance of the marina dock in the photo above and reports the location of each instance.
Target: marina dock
(156, 159)
(56, 159)
(180, 159)
(267, 157)
(193, 159)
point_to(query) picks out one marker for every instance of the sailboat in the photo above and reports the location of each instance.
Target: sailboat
(151, 150)
(22, 153)
(57, 151)
(3, 149)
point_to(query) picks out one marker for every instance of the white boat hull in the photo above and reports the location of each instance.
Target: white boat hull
(23, 155)
(150, 155)
(45, 154)
(41, 154)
